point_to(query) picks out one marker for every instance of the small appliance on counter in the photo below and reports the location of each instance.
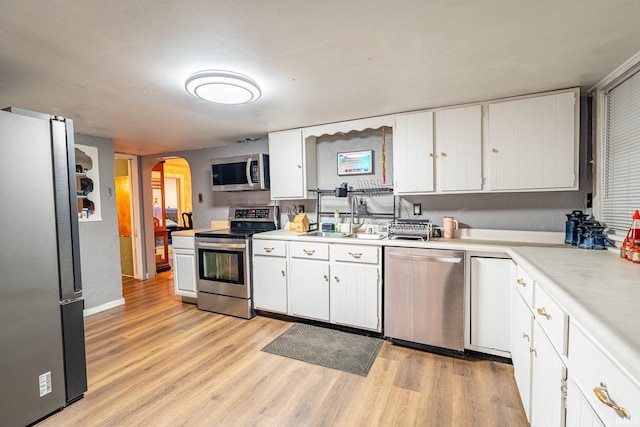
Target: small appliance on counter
(421, 229)
(630, 247)
(584, 232)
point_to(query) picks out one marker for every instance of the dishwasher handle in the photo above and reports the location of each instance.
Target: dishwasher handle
(451, 260)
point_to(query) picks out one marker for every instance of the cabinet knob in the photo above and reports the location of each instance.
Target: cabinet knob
(494, 150)
(443, 154)
(356, 255)
(430, 154)
(299, 166)
(525, 336)
(282, 271)
(521, 282)
(268, 250)
(336, 278)
(533, 350)
(603, 396)
(326, 278)
(542, 312)
(309, 251)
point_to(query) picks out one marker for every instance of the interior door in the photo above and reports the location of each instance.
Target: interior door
(123, 207)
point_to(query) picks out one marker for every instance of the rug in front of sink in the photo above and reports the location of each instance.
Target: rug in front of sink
(345, 351)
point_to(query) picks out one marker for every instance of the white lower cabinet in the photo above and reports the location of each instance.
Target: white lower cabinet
(329, 282)
(490, 313)
(309, 289)
(579, 412)
(548, 382)
(270, 284)
(184, 266)
(356, 286)
(602, 386)
(539, 368)
(521, 349)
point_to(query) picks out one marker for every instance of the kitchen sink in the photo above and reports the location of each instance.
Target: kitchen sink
(329, 234)
(365, 236)
(323, 234)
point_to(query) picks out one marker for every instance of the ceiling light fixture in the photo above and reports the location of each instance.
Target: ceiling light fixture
(223, 87)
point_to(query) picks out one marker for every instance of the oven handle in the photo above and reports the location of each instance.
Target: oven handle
(248, 172)
(221, 245)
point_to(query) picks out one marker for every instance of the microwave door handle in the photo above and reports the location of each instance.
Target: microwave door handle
(248, 172)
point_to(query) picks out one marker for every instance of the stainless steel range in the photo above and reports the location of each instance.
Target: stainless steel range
(223, 261)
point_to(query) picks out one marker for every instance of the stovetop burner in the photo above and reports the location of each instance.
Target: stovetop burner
(245, 222)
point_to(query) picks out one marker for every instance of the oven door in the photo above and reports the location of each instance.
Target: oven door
(223, 267)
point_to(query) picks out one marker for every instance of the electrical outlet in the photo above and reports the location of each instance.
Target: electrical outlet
(417, 209)
(589, 200)
(200, 198)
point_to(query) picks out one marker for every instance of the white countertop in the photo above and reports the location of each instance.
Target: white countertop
(189, 233)
(596, 288)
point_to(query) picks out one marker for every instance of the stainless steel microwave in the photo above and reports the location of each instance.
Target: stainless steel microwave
(240, 173)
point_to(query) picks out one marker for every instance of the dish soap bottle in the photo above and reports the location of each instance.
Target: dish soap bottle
(336, 220)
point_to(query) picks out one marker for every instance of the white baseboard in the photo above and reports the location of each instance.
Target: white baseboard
(103, 307)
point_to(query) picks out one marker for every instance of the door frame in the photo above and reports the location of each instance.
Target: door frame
(136, 218)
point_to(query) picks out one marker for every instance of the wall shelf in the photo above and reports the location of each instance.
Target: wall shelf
(366, 192)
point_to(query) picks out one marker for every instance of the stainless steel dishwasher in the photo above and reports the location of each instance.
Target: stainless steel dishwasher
(424, 296)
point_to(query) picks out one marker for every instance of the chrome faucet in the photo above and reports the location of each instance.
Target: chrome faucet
(353, 227)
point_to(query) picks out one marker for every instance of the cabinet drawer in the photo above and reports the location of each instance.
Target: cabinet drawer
(183, 242)
(591, 369)
(552, 319)
(270, 248)
(309, 250)
(524, 284)
(356, 253)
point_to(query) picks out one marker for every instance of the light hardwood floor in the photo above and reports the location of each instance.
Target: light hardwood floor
(159, 362)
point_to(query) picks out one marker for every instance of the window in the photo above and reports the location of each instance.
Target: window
(621, 155)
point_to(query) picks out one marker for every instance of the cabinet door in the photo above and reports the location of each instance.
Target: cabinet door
(521, 349)
(548, 374)
(579, 412)
(413, 153)
(309, 289)
(270, 283)
(292, 164)
(459, 149)
(184, 272)
(532, 143)
(355, 295)
(491, 303)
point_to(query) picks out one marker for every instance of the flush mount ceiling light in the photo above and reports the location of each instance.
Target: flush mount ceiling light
(223, 87)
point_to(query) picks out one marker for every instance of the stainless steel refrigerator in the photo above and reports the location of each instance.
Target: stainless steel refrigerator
(42, 348)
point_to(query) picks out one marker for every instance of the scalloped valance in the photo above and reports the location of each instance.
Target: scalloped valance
(349, 126)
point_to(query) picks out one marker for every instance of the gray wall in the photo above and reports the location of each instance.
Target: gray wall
(99, 245)
(535, 211)
(215, 205)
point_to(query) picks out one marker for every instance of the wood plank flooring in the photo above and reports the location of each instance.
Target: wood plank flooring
(159, 362)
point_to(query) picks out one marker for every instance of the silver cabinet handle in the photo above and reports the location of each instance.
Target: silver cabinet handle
(337, 279)
(282, 271)
(356, 255)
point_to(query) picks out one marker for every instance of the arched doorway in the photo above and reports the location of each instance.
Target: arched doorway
(172, 206)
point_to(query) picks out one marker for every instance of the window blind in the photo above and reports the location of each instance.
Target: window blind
(621, 168)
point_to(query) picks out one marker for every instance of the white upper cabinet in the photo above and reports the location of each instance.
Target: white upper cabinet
(533, 143)
(459, 149)
(292, 164)
(413, 154)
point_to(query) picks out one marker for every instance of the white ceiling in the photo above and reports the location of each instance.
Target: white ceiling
(117, 67)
